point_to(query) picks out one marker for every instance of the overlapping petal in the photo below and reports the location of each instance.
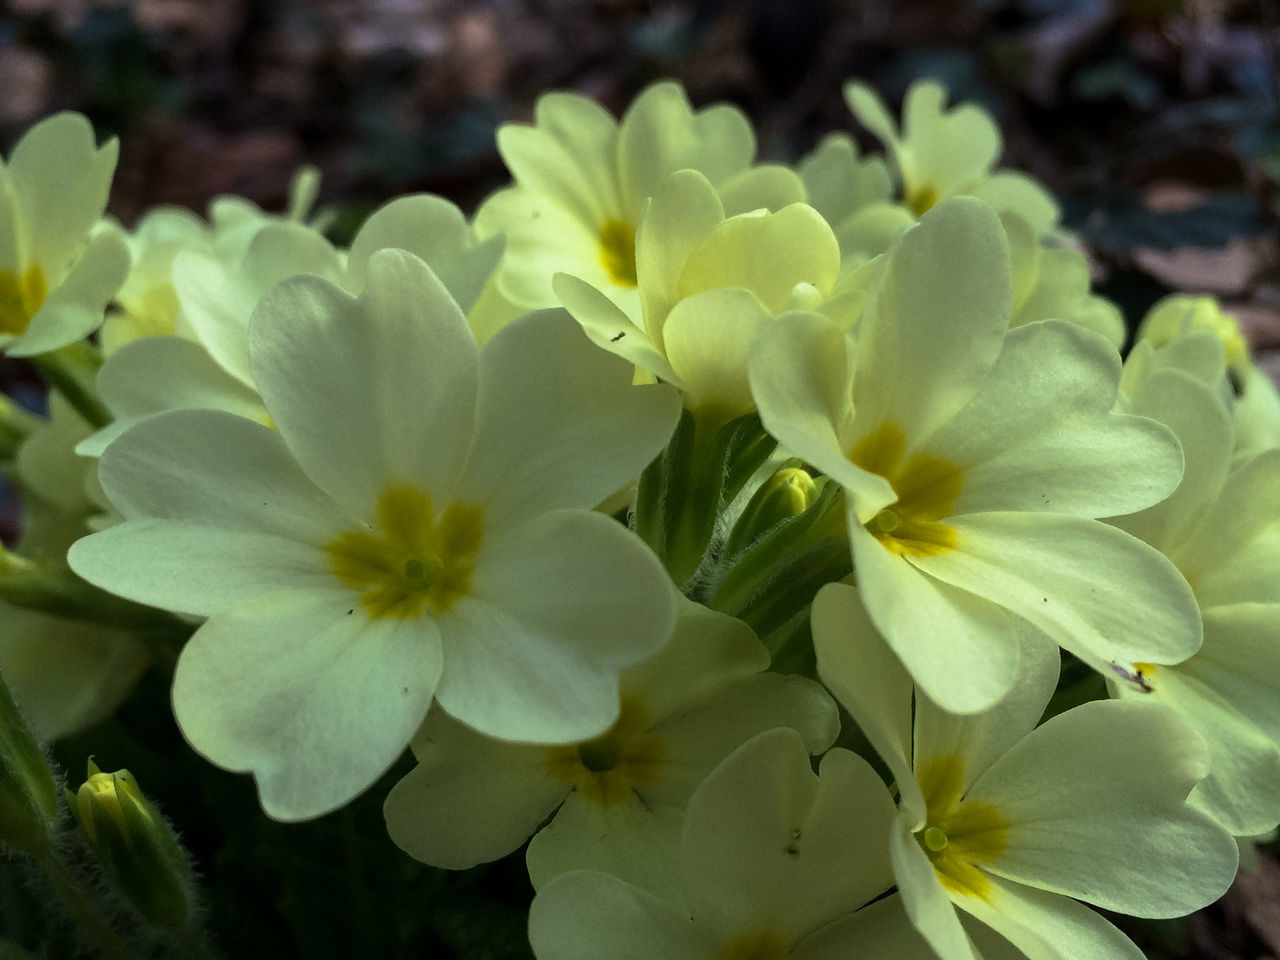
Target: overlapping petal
(546, 394)
(559, 655)
(935, 323)
(315, 701)
(345, 379)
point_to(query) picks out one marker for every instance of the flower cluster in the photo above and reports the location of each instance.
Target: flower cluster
(613, 500)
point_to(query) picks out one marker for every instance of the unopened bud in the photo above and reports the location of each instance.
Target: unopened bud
(134, 844)
(788, 493)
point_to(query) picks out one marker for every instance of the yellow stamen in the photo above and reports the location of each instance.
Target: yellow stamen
(926, 486)
(416, 562)
(618, 252)
(625, 758)
(922, 199)
(757, 945)
(20, 299)
(959, 835)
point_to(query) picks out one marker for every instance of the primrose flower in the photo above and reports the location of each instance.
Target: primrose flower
(942, 153)
(59, 263)
(776, 862)
(215, 290)
(1195, 335)
(618, 798)
(1221, 527)
(1052, 283)
(582, 179)
(973, 461)
(416, 528)
(1007, 821)
(707, 285)
(853, 194)
(147, 304)
(67, 674)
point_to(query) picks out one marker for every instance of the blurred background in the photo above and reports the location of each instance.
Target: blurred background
(1154, 121)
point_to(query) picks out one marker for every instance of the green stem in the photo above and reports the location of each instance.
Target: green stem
(15, 425)
(72, 371)
(91, 923)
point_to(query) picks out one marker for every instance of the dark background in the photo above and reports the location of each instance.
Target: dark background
(1154, 121)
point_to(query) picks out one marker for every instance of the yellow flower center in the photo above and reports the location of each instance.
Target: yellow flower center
(618, 252)
(416, 561)
(926, 486)
(921, 199)
(757, 945)
(20, 299)
(959, 835)
(625, 758)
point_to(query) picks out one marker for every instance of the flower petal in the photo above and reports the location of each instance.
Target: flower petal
(585, 915)
(434, 229)
(608, 327)
(76, 307)
(924, 897)
(1045, 926)
(1040, 435)
(1240, 660)
(1202, 424)
(698, 738)
(61, 180)
(680, 214)
(636, 842)
(935, 324)
(799, 375)
(869, 681)
(155, 374)
(660, 133)
(880, 929)
(558, 422)
(961, 649)
(982, 738)
(470, 799)
(369, 391)
(1095, 801)
(316, 702)
(708, 337)
(1100, 593)
(769, 845)
(526, 657)
(1242, 789)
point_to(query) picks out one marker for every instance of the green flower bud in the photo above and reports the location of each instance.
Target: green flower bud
(28, 794)
(134, 844)
(788, 493)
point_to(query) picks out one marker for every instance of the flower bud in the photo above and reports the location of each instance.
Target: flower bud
(134, 844)
(788, 493)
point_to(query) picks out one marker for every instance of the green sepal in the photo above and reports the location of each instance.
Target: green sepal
(788, 493)
(685, 489)
(778, 571)
(28, 793)
(791, 582)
